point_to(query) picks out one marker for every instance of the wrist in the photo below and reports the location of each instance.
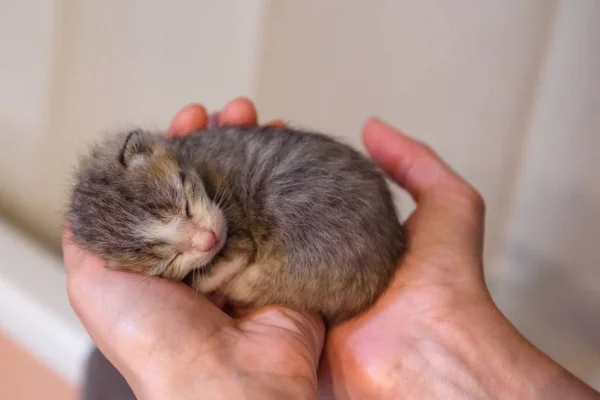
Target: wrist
(225, 381)
(491, 359)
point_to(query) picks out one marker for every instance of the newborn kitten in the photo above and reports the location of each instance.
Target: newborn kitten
(264, 215)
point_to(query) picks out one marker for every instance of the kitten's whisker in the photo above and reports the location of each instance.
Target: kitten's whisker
(222, 195)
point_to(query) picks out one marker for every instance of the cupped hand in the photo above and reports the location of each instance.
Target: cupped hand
(436, 332)
(171, 343)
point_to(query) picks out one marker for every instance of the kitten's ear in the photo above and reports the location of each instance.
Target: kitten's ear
(137, 148)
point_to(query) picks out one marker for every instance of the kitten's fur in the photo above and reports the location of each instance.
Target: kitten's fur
(310, 222)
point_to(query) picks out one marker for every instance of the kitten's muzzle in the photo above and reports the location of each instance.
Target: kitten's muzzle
(202, 240)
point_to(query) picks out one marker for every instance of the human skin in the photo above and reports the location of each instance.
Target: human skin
(435, 333)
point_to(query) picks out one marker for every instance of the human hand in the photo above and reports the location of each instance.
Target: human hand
(436, 332)
(171, 343)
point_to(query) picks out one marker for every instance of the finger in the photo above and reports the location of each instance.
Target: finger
(134, 319)
(304, 332)
(240, 111)
(277, 122)
(191, 118)
(75, 258)
(449, 210)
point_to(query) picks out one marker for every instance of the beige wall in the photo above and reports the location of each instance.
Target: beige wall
(506, 91)
(76, 69)
(26, 49)
(550, 285)
(459, 75)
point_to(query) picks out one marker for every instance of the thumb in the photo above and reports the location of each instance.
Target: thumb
(449, 210)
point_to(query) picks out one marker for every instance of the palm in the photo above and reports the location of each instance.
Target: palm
(438, 283)
(280, 343)
(385, 341)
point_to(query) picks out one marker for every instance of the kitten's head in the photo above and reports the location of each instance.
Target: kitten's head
(137, 208)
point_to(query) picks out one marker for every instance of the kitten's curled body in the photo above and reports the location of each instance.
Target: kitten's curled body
(301, 219)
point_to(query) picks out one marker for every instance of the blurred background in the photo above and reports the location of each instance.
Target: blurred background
(508, 92)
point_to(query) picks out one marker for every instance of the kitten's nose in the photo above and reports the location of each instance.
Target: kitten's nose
(204, 240)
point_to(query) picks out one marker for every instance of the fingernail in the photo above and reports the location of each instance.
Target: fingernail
(376, 119)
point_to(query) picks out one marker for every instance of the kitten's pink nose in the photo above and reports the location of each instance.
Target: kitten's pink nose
(203, 240)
